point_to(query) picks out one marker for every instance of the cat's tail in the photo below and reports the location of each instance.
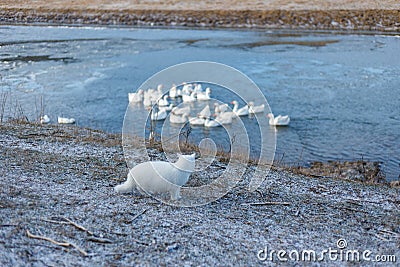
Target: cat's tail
(126, 187)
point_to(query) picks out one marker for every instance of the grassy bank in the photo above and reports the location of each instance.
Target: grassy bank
(313, 15)
(57, 183)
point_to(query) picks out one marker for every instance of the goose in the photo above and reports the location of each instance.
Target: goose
(278, 120)
(149, 94)
(158, 116)
(187, 89)
(167, 108)
(158, 94)
(44, 119)
(255, 109)
(181, 111)
(62, 120)
(211, 123)
(220, 108)
(198, 88)
(162, 102)
(136, 97)
(178, 92)
(178, 119)
(225, 117)
(147, 101)
(173, 92)
(189, 98)
(205, 112)
(204, 96)
(240, 111)
(196, 121)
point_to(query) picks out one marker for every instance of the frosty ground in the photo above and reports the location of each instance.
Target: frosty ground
(57, 182)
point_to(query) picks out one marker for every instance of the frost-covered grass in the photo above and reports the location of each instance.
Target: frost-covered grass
(54, 173)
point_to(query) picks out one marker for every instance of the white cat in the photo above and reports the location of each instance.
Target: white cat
(159, 176)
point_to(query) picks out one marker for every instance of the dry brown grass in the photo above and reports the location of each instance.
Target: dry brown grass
(202, 5)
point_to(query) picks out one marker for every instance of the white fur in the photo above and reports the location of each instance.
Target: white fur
(159, 176)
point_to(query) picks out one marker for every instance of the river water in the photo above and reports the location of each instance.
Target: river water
(342, 91)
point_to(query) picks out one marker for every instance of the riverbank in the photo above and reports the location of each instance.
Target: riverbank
(58, 181)
(295, 14)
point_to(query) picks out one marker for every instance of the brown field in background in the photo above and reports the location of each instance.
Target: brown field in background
(203, 5)
(357, 15)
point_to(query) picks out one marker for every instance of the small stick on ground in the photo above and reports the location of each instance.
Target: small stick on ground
(68, 221)
(80, 227)
(267, 203)
(381, 238)
(63, 244)
(100, 240)
(140, 213)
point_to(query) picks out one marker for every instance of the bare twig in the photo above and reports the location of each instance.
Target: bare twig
(267, 203)
(364, 200)
(63, 244)
(100, 240)
(381, 237)
(68, 221)
(80, 227)
(387, 232)
(139, 214)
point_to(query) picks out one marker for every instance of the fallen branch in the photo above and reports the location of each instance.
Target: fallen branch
(267, 203)
(382, 238)
(68, 221)
(80, 227)
(100, 240)
(139, 214)
(354, 210)
(390, 232)
(63, 244)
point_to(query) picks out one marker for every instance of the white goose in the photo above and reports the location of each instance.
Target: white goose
(240, 111)
(204, 96)
(167, 108)
(173, 92)
(162, 102)
(181, 111)
(178, 119)
(225, 117)
(186, 89)
(44, 119)
(211, 123)
(196, 121)
(205, 112)
(62, 120)
(198, 88)
(278, 120)
(158, 116)
(147, 101)
(255, 109)
(189, 98)
(159, 93)
(136, 97)
(220, 108)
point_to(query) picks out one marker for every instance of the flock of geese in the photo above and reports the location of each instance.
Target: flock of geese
(160, 107)
(61, 120)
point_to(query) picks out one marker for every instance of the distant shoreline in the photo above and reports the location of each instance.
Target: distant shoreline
(331, 20)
